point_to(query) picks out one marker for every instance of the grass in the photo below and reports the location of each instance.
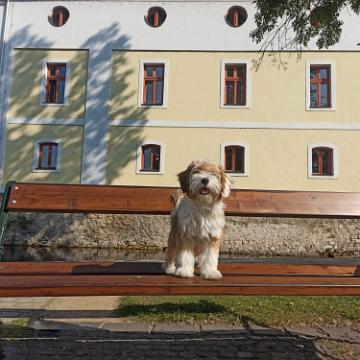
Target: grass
(262, 310)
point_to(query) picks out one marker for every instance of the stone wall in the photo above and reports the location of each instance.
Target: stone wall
(244, 236)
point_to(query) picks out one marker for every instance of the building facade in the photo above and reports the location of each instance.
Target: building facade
(129, 92)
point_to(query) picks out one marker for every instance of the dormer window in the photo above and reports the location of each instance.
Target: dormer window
(155, 16)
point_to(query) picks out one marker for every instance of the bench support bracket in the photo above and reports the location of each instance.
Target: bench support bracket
(4, 215)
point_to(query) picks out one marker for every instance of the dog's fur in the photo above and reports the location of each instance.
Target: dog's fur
(197, 221)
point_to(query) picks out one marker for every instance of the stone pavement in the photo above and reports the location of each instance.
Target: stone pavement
(75, 328)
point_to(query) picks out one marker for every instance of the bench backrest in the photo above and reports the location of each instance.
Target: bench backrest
(156, 200)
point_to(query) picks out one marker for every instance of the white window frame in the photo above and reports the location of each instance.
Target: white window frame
(335, 161)
(248, 84)
(59, 143)
(142, 62)
(332, 84)
(246, 157)
(44, 80)
(139, 154)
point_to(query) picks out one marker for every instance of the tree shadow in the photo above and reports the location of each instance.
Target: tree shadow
(92, 95)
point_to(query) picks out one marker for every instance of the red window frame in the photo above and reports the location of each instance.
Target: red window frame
(318, 82)
(154, 78)
(154, 151)
(234, 149)
(50, 159)
(236, 78)
(324, 169)
(58, 77)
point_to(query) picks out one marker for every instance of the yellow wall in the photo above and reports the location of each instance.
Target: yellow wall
(277, 95)
(26, 84)
(278, 158)
(19, 152)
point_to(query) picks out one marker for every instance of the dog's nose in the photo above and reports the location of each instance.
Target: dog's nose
(205, 181)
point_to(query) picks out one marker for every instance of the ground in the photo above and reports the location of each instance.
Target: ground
(90, 328)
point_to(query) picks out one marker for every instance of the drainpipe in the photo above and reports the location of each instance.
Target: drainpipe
(3, 35)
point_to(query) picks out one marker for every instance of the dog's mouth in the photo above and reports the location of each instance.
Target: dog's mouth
(204, 191)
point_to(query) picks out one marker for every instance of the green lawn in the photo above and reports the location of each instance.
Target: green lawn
(262, 310)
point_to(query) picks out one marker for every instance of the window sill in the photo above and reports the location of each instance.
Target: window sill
(138, 172)
(52, 105)
(45, 171)
(323, 177)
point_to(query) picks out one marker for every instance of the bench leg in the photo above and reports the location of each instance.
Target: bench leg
(4, 215)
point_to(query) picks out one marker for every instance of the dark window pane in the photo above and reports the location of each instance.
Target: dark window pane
(159, 92)
(239, 159)
(160, 71)
(315, 162)
(240, 94)
(148, 92)
(53, 156)
(61, 91)
(156, 158)
(228, 158)
(63, 70)
(324, 96)
(52, 91)
(324, 73)
(313, 96)
(229, 93)
(312, 73)
(146, 158)
(229, 71)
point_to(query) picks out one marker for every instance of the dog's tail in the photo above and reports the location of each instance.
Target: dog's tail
(176, 198)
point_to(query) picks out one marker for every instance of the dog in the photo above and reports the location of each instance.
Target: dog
(197, 221)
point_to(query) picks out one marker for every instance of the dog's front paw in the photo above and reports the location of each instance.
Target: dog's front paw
(211, 274)
(169, 268)
(184, 272)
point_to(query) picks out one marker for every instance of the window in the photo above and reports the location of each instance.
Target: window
(47, 156)
(322, 161)
(59, 16)
(235, 159)
(153, 88)
(235, 85)
(320, 86)
(236, 16)
(155, 16)
(150, 158)
(55, 83)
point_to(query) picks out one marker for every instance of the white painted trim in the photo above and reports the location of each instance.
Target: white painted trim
(32, 121)
(219, 124)
(308, 63)
(248, 84)
(246, 158)
(162, 159)
(58, 157)
(44, 78)
(335, 161)
(141, 82)
(5, 92)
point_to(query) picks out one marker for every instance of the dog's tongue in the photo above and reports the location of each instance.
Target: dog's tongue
(204, 191)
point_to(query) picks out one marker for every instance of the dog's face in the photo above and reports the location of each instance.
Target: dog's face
(204, 181)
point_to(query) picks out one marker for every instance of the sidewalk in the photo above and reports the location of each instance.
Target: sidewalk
(87, 328)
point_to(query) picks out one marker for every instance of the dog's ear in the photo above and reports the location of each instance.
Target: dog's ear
(225, 183)
(184, 178)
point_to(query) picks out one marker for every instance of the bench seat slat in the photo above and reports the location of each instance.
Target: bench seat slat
(144, 200)
(148, 268)
(40, 285)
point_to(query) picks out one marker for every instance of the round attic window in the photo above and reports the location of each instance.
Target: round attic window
(59, 16)
(155, 16)
(236, 16)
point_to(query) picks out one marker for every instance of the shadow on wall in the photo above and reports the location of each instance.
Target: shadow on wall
(87, 84)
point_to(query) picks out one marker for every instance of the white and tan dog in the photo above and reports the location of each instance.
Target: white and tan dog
(198, 220)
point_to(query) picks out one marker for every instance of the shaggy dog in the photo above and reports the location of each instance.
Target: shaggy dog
(197, 221)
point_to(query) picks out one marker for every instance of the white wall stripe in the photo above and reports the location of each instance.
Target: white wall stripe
(32, 121)
(237, 124)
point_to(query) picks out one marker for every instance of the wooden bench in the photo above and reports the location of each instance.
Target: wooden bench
(147, 278)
